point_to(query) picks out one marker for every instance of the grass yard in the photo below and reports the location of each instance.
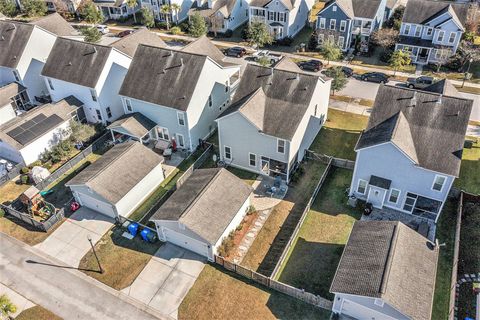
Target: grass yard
(469, 179)
(339, 134)
(37, 313)
(121, 259)
(313, 258)
(220, 295)
(373, 61)
(445, 234)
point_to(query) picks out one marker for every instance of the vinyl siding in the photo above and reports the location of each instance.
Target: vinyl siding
(369, 303)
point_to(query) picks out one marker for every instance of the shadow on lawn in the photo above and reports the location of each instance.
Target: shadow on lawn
(336, 142)
(136, 244)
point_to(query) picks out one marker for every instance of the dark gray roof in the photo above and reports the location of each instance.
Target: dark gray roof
(224, 6)
(289, 4)
(365, 8)
(422, 11)
(76, 62)
(388, 260)
(55, 24)
(205, 47)
(414, 41)
(280, 104)
(380, 182)
(206, 203)
(118, 170)
(134, 123)
(14, 37)
(129, 44)
(9, 91)
(431, 132)
(443, 87)
(163, 77)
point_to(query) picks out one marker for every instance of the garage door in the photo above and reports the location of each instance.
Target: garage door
(360, 312)
(186, 242)
(94, 204)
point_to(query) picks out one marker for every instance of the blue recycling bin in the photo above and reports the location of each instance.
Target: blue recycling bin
(133, 228)
(147, 235)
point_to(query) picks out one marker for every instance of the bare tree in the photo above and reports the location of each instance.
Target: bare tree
(216, 23)
(385, 38)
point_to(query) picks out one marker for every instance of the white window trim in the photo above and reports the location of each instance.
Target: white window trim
(225, 153)
(378, 302)
(405, 29)
(343, 25)
(429, 31)
(284, 145)
(334, 24)
(441, 32)
(420, 33)
(341, 44)
(127, 102)
(454, 37)
(250, 154)
(366, 186)
(177, 140)
(323, 22)
(50, 84)
(435, 179)
(334, 8)
(180, 116)
(163, 135)
(390, 195)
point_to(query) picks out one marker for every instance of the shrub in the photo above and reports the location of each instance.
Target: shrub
(36, 163)
(25, 170)
(251, 210)
(2, 213)
(161, 25)
(175, 30)
(24, 179)
(287, 41)
(228, 33)
(184, 26)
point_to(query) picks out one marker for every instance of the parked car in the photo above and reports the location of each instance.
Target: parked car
(348, 72)
(311, 65)
(124, 33)
(374, 77)
(102, 28)
(235, 52)
(265, 53)
(420, 82)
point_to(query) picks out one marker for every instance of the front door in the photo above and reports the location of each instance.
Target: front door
(376, 196)
(422, 55)
(265, 166)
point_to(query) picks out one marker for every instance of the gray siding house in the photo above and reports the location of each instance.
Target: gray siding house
(432, 30)
(410, 153)
(275, 115)
(346, 22)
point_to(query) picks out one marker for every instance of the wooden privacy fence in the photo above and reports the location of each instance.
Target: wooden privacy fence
(337, 162)
(456, 252)
(42, 226)
(275, 285)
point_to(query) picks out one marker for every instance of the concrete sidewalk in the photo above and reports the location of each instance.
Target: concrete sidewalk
(17, 299)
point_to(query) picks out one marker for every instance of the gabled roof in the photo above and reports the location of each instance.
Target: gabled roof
(134, 123)
(225, 7)
(55, 24)
(289, 4)
(14, 37)
(285, 99)
(118, 170)
(129, 44)
(206, 203)
(205, 47)
(9, 91)
(76, 62)
(287, 64)
(388, 260)
(357, 8)
(428, 127)
(443, 87)
(423, 11)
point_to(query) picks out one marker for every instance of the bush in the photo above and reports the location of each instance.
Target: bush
(161, 25)
(2, 213)
(251, 210)
(313, 42)
(287, 41)
(25, 170)
(228, 33)
(386, 55)
(184, 26)
(175, 30)
(245, 33)
(24, 179)
(35, 164)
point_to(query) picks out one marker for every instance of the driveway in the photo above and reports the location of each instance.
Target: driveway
(69, 243)
(166, 279)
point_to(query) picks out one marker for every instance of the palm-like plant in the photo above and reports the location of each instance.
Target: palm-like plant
(132, 4)
(6, 307)
(175, 7)
(166, 10)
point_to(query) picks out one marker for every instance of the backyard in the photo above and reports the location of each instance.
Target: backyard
(470, 164)
(315, 253)
(218, 294)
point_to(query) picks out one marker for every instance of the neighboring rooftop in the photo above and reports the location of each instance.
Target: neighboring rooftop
(388, 260)
(9, 91)
(55, 24)
(76, 62)
(14, 37)
(289, 4)
(118, 170)
(274, 100)
(29, 126)
(429, 127)
(135, 124)
(358, 8)
(129, 44)
(205, 47)
(423, 11)
(224, 6)
(206, 203)
(443, 87)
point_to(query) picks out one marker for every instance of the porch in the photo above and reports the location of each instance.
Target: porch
(274, 168)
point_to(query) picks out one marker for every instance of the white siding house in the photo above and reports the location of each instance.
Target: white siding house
(222, 15)
(13, 100)
(274, 117)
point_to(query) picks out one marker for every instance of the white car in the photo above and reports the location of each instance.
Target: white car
(102, 28)
(266, 54)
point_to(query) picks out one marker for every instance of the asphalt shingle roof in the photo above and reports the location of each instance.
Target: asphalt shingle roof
(55, 24)
(9, 91)
(422, 11)
(134, 123)
(129, 44)
(14, 37)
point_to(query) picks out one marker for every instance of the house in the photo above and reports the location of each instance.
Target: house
(174, 16)
(56, 24)
(443, 86)
(116, 9)
(182, 91)
(13, 100)
(133, 126)
(387, 271)
(431, 30)
(274, 117)
(410, 153)
(25, 137)
(284, 18)
(347, 22)
(222, 15)
(198, 216)
(128, 44)
(117, 183)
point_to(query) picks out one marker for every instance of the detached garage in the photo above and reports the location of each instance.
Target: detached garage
(203, 211)
(120, 180)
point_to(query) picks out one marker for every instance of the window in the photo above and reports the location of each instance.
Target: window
(379, 302)
(50, 84)
(227, 87)
(406, 30)
(418, 31)
(252, 159)
(362, 186)
(394, 195)
(94, 95)
(410, 202)
(15, 74)
(343, 25)
(99, 115)
(321, 24)
(315, 113)
(280, 146)
(440, 36)
(334, 8)
(227, 152)
(181, 118)
(210, 100)
(128, 103)
(109, 112)
(180, 140)
(452, 37)
(333, 24)
(429, 31)
(438, 183)
(320, 38)
(163, 133)
(341, 41)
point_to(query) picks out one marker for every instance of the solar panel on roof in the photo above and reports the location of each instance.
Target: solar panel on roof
(25, 137)
(39, 118)
(31, 130)
(12, 133)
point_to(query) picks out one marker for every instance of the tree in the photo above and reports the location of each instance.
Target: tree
(259, 34)
(175, 7)
(147, 17)
(81, 131)
(399, 59)
(166, 10)
(8, 8)
(91, 14)
(331, 51)
(339, 80)
(442, 57)
(91, 34)
(34, 8)
(473, 20)
(216, 23)
(197, 26)
(396, 19)
(132, 4)
(6, 307)
(385, 38)
(264, 61)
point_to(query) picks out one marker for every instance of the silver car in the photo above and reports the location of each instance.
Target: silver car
(420, 82)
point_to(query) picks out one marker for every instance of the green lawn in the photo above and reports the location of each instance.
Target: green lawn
(373, 61)
(313, 258)
(469, 179)
(218, 294)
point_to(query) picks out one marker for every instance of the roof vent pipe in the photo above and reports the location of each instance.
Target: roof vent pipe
(413, 101)
(297, 76)
(439, 101)
(181, 61)
(271, 71)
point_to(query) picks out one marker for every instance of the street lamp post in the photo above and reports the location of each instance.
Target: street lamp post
(468, 71)
(95, 253)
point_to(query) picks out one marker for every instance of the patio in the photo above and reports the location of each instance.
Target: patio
(268, 192)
